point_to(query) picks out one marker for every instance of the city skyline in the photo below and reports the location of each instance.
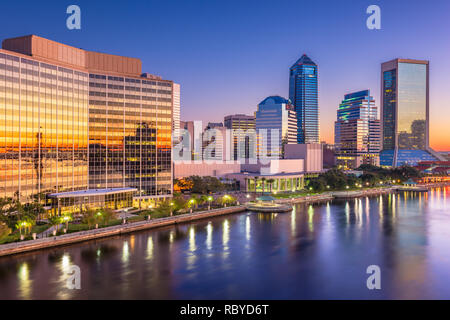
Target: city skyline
(228, 57)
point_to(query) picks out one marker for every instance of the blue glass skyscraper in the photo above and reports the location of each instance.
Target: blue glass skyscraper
(303, 92)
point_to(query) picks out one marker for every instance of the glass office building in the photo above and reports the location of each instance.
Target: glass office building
(43, 127)
(404, 113)
(357, 131)
(303, 92)
(277, 117)
(74, 120)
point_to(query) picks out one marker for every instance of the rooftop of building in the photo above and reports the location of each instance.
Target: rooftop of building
(304, 60)
(50, 51)
(402, 60)
(357, 95)
(91, 192)
(236, 116)
(275, 100)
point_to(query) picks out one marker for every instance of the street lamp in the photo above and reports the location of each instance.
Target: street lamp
(210, 199)
(225, 198)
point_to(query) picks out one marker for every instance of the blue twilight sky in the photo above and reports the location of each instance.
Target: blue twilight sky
(229, 55)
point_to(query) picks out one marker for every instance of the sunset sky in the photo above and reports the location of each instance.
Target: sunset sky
(229, 55)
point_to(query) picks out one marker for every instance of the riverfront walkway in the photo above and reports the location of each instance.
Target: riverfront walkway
(53, 241)
(31, 245)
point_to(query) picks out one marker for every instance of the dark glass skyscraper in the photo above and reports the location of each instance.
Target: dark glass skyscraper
(303, 92)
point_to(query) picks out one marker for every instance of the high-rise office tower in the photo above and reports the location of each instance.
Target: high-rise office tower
(357, 131)
(244, 135)
(85, 128)
(277, 117)
(405, 113)
(303, 93)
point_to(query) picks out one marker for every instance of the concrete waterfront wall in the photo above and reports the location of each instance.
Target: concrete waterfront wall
(362, 193)
(31, 245)
(315, 198)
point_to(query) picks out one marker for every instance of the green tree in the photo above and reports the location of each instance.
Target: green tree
(163, 209)
(66, 218)
(255, 179)
(318, 184)
(55, 221)
(263, 181)
(4, 230)
(89, 217)
(107, 215)
(270, 182)
(179, 203)
(226, 200)
(7, 211)
(203, 199)
(25, 224)
(193, 202)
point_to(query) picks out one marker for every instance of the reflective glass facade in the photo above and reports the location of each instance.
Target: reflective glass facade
(412, 106)
(43, 127)
(405, 112)
(130, 127)
(73, 120)
(303, 92)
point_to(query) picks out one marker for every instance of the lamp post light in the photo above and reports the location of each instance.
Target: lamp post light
(171, 208)
(191, 203)
(99, 214)
(66, 220)
(210, 199)
(225, 197)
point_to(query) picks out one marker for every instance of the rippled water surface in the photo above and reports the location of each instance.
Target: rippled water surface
(317, 251)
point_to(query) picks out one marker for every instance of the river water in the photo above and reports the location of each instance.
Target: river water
(319, 251)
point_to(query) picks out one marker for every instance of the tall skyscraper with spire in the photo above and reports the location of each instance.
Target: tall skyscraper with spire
(303, 93)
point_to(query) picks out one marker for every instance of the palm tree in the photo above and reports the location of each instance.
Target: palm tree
(194, 201)
(226, 199)
(89, 217)
(67, 218)
(107, 214)
(55, 221)
(203, 199)
(270, 182)
(256, 182)
(263, 184)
